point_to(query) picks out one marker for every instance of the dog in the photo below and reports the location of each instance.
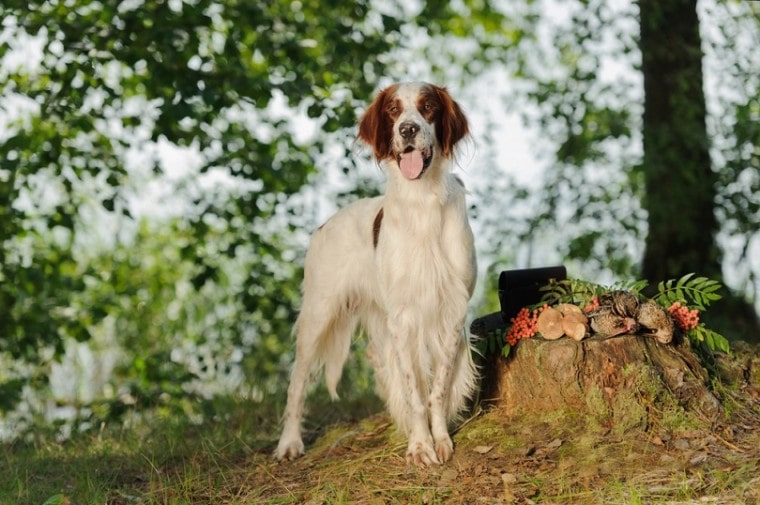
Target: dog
(403, 266)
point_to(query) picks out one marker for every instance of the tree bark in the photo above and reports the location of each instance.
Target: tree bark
(680, 183)
(627, 380)
(679, 180)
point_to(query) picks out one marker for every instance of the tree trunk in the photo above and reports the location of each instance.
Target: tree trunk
(625, 381)
(680, 183)
(679, 180)
(602, 376)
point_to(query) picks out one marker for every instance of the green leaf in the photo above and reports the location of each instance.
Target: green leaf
(57, 499)
(709, 340)
(698, 291)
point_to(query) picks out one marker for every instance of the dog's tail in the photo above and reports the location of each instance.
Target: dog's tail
(337, 342)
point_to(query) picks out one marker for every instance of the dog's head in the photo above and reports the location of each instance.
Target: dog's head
(412, 124)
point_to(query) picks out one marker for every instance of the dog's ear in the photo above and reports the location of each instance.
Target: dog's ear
(376, 126)
(452, 124)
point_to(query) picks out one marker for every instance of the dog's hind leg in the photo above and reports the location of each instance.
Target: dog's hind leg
(291, 445)
(323, 338)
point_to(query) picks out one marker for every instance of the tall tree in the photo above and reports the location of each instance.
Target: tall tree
(681, 179)
(643, 181)
(680, 182)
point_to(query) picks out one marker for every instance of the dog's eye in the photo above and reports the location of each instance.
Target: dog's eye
(393, 110)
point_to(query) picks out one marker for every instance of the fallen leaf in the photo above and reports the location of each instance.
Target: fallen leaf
(449, 475)
(528, 451)
(483, 449)
(681, 444)
(698, 458)
(694, 434)
(58, 499)
(667, 458)
(508, 478)
(554, 444)
(493, 480)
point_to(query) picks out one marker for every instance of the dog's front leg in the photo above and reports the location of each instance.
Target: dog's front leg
(439, 394)
(420, 450)
(410, 410)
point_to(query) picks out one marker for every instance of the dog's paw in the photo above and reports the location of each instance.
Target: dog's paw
(289, 449)
(421, 454)
(444, 448)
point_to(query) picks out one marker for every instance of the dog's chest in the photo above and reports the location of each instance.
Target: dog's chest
(415, 247)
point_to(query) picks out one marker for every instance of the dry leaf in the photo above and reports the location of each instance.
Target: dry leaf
(508, 478)
(483, 449)
(449, 475)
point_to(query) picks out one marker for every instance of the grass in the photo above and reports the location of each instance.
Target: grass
(83, 468)
(161, 461)
(174, 463)
(355, 455)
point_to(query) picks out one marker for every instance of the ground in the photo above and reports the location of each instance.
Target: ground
(555, 461)
(663, 454)
(563, 457)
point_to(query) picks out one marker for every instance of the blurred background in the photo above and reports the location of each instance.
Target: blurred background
(163, 163)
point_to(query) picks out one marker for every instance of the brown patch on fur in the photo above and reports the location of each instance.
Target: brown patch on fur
(376, 126)
(376, 225)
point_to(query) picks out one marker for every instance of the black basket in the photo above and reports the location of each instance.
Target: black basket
(520, 288)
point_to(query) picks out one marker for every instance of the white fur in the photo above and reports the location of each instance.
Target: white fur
(410, 293)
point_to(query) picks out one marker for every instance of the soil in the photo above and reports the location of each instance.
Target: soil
(663, 452)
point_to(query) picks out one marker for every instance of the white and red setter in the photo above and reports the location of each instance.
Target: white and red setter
(403, 266)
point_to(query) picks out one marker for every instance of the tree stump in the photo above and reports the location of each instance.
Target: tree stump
(621, 377)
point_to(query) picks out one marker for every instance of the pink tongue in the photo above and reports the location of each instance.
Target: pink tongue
(411, 164)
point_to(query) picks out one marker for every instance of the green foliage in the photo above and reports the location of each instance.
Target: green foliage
(492, 343)
(713, 340)
(599, 198)
(115, 79)
(589, 196)
(697, 291)
(216, 291)
(581, 292)
(57, 499)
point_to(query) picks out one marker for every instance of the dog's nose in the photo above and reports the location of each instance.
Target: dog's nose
(408, 129)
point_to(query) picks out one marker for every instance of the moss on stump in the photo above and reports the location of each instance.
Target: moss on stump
(619, 382)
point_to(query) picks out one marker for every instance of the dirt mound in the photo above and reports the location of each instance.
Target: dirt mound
(672, 454)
